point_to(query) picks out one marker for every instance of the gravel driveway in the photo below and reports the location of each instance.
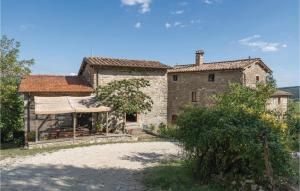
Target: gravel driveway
(100, 167)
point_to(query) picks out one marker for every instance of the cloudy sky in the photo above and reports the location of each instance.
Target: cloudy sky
(59, 33)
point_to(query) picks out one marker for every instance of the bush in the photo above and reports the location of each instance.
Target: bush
(292, 119)
(19, 138)
(31, 136)
(235, 141)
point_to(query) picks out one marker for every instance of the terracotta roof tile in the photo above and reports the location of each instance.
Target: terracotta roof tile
(102, 61)
(223, 65)
(52, 83)
(281, 93)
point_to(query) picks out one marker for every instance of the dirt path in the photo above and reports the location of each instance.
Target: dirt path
(101, 167)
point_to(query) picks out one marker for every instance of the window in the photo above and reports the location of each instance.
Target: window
(279, 100)
(257, 78)
(194, 97)
(174, 118)
(211, 77)
(175, 77)
(131, 117)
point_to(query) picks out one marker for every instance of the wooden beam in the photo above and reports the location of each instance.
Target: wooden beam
(40, 126)
(74, 125)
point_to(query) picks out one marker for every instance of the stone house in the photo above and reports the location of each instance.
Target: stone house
(170, 88)
(99, 71)
(196, 83)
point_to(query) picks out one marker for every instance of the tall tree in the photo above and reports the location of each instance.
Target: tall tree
(126, 96)
(12, 69)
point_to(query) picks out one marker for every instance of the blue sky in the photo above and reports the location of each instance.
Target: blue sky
(59, 33)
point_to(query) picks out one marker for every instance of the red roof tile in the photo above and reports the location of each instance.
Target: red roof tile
(52, 83)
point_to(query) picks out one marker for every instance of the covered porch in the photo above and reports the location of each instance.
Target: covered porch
(87, 121)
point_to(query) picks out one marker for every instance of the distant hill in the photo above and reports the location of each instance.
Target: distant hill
(293, 90)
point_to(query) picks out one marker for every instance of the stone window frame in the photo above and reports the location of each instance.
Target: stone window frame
(175, 77)
(211, 77)
(257, 78)
(194, 96)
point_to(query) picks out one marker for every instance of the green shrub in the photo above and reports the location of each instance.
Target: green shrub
(98, 127)
(168, 131)
(31, 136)
(235, 141)
(19, 138)
(292, 119)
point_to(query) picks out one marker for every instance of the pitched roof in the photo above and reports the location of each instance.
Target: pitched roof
(281, 93)
(117, 62)
(52, 83)
(223, 65)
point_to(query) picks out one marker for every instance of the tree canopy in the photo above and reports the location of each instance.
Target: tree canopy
(12, 69)
(126, 96)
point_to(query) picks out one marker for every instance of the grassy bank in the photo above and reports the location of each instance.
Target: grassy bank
(174, 176)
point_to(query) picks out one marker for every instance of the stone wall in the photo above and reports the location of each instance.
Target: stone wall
(88, 74)
(110, 138)
(250, 74)
(278, 104)
(158, 89)
(180, 91)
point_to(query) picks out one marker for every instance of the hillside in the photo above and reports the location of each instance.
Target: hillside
(293, 90)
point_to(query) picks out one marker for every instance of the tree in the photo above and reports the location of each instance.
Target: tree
(126, 96)
(235, 140)
(12, 70)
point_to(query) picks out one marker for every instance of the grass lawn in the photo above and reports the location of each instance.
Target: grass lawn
(174, 176)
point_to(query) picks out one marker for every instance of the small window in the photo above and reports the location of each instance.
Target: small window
(175, 77)
(211, 77)
(279, 100)
(257, 78)
(194, 96)
(174, 118)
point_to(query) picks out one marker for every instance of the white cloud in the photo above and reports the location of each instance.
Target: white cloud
(284, 45)
(145, 4)
(72, 74)
(24, 27)
(138, 25)
(255, 43)
(178, 12)
(168, 25)
(177, 24)
(211, 1)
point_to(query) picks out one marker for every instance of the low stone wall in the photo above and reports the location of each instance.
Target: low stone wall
(110, 138)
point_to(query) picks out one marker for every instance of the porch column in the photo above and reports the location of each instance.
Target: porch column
(106, 123)
(36, 134)
(74, 125)
(27, 127)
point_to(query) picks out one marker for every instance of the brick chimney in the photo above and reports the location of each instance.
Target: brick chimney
(199, 57)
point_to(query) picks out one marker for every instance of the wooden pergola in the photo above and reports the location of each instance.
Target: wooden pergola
(68, 104)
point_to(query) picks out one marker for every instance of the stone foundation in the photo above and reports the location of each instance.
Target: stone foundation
(110, 138)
